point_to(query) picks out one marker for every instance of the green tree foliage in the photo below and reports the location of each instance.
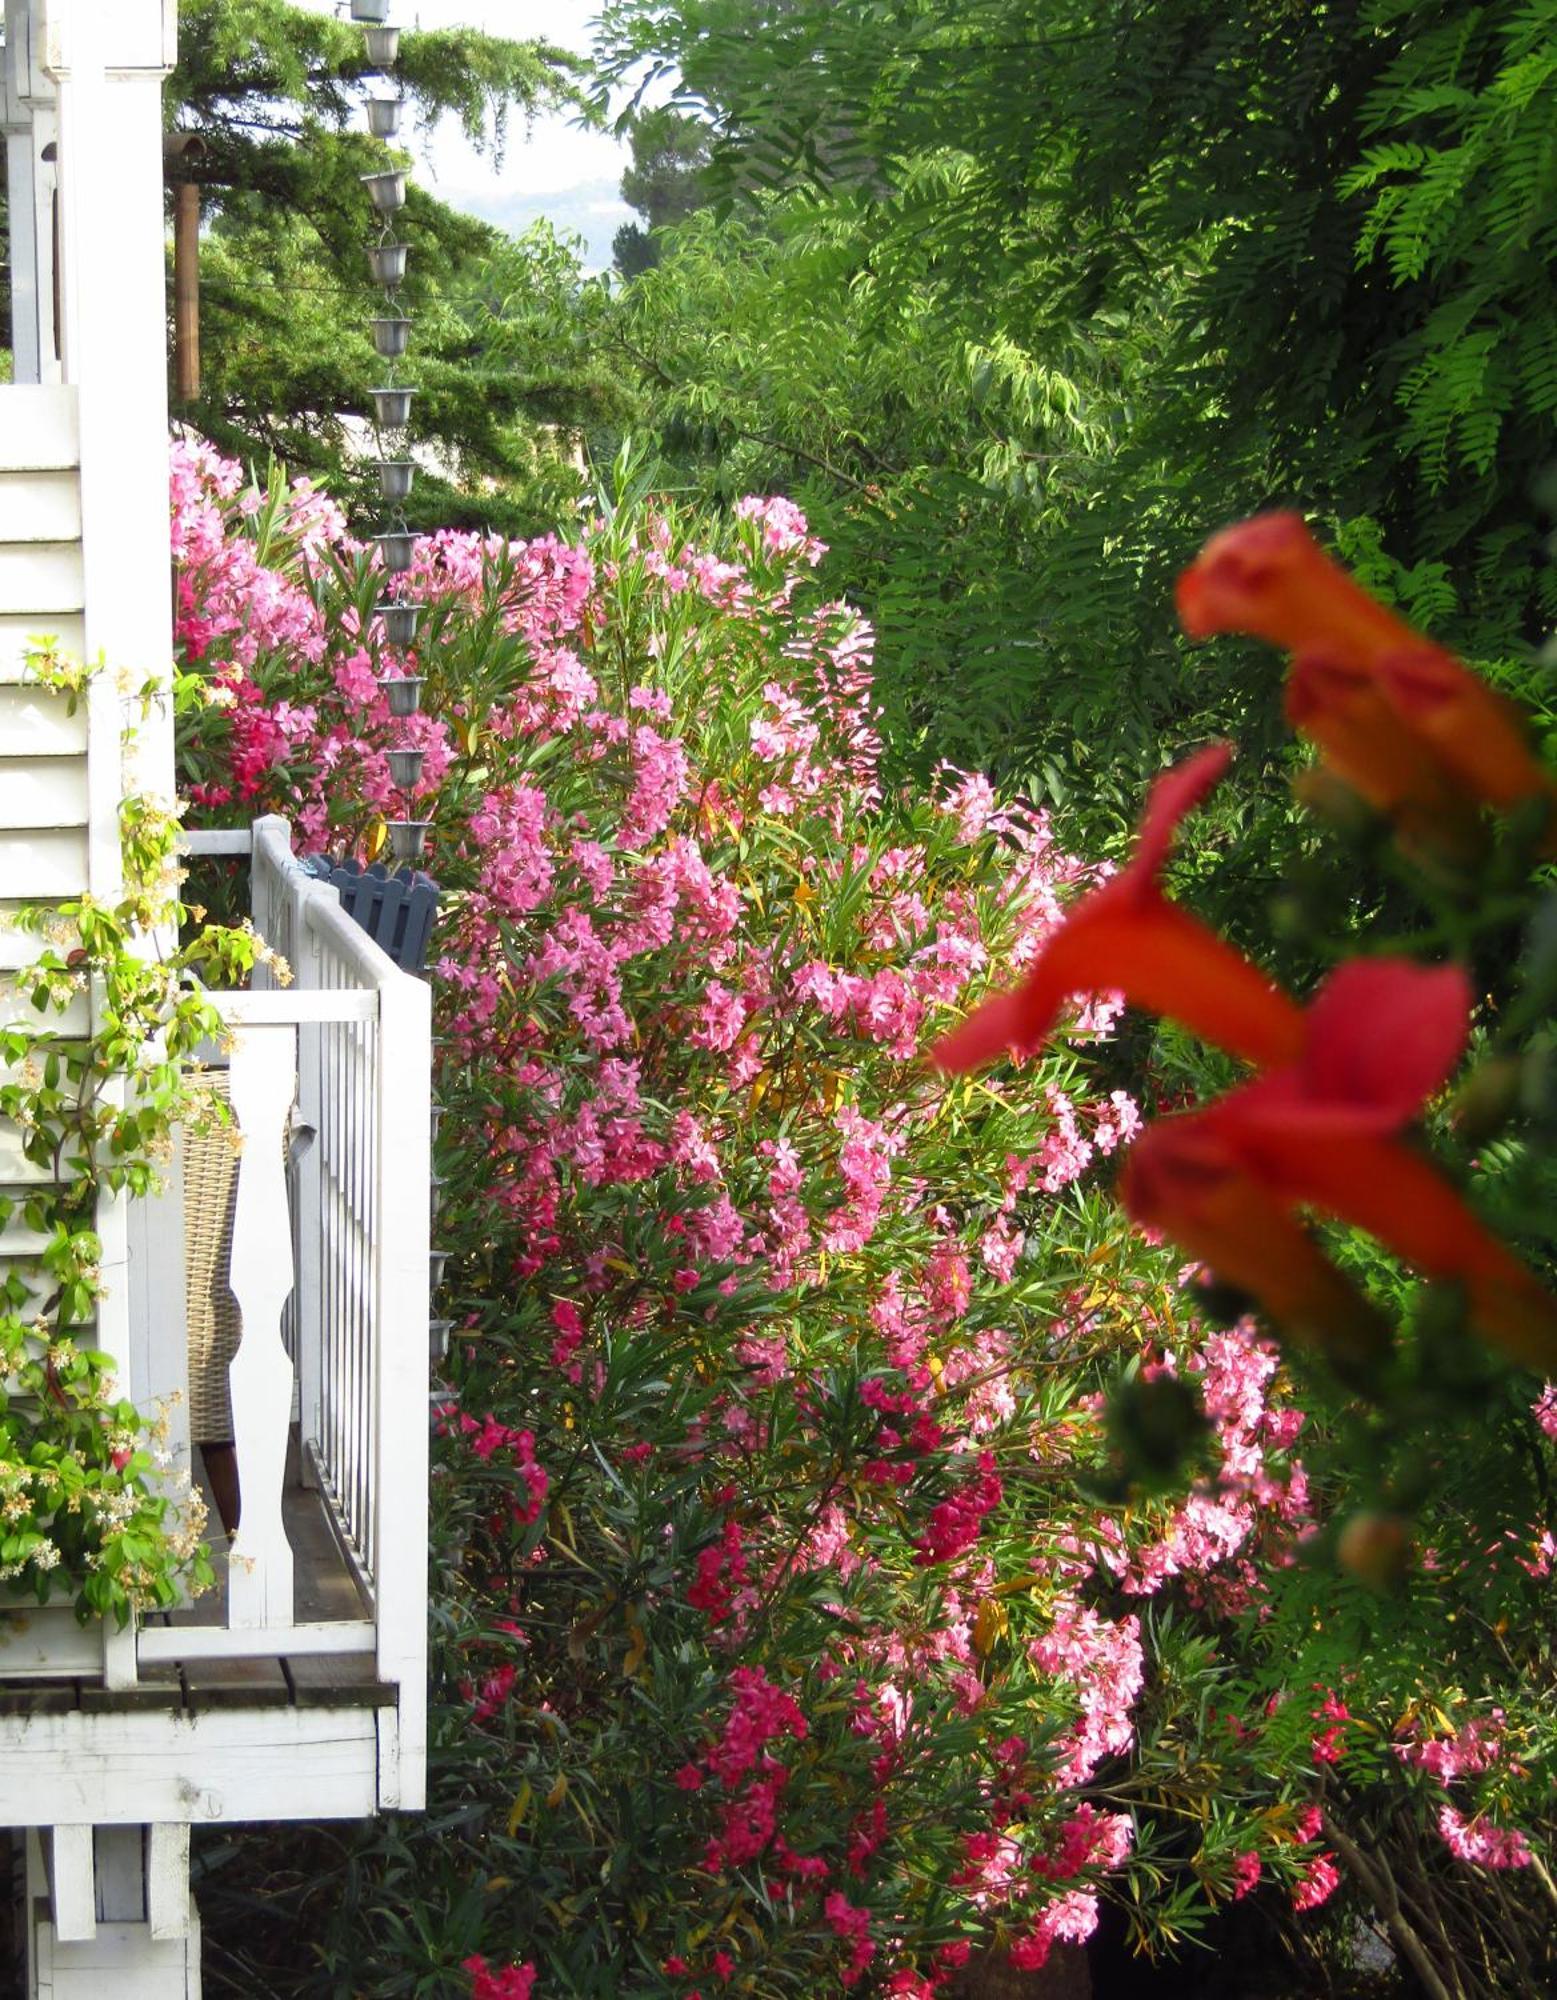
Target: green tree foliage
(664, 183)
(1162, 265)
(286, 291)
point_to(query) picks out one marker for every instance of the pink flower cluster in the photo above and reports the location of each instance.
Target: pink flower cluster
(749, 1775)
(490, 1437)
(510, 1982)
(1482, 1844)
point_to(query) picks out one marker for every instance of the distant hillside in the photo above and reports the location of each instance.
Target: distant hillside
(594, 210)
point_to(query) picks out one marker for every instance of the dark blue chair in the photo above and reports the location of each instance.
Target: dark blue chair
(397, 911)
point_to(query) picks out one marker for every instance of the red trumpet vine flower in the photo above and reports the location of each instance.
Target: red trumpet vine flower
(1270, 578)
(1324, 1133)
(1126, 937)
(1342, 711)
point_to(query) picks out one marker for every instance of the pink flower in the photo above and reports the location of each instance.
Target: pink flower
(853, 1925)
(511, 1982)
(1246, 1873)
(1482, 1844)
(1318, 1884)
(954, 1525)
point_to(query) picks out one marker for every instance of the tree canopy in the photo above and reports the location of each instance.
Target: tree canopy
(1033, 295)
(272, 91)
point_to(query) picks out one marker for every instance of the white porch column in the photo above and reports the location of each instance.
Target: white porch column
(105, 61)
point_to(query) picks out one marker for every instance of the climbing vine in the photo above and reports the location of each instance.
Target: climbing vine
(94, 1068)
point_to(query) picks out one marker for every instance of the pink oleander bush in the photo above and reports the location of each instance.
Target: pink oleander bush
(804, 1622)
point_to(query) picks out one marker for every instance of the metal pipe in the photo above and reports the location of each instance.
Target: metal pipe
(186, 291)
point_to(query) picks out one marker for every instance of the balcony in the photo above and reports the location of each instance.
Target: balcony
(296, 1689)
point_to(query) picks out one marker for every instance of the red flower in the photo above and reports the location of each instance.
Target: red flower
(1324, 1133)
(1270, 578)
(1342, 711)
(1126, 937)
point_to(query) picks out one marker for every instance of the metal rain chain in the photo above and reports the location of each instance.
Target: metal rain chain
(397, 617)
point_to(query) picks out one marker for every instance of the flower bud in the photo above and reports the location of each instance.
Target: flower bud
(1375, 1549)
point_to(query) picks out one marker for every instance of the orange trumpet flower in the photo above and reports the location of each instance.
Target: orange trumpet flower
(1126, 937)
(1324, 1133)
(1182, 1180)
(1270, 578)
(1358, 734)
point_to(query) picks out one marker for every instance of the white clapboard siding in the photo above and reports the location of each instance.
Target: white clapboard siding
(40, 506)
(16, 1171)
(22, 632)
(39, 792)
(17, 947)
(17, 1010)
(36, 723)
(41, 580)
(38, 1288)
(42, 866)
(38, 428)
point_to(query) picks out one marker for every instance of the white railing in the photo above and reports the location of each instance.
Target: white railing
(329, 1082)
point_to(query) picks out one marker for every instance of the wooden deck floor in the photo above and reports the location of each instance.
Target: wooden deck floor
(324, 1589)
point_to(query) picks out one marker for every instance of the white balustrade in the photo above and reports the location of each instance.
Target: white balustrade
(329, 1083)
(262, 1086)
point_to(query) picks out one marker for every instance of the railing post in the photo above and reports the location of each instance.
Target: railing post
(30, 131)
(269, 866)
(307, 1309)
(403, 1169)
(259, 1564)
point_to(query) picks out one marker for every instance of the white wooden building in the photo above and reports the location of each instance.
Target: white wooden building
(297, 1690)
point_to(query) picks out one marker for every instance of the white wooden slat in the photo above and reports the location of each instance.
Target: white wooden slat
(16, 1172)
(120, 1855)
(167, 1881)
(45, 865)
(262, 1082)
(308, 1204)
(217, 840)
(394, 1767)
(40, 506)
(160, 1644)
(37, 723)
(94, 1767)
(18, 948)
(16, 1240)
(17, 1010)
(403, 1167)
(288, 1005)
(72, 1893)
(22, 632)
(37, 792)
(158, 1356)
(37, 1288)
(121, 1961)
(49, 1641)
(41, 582)
(39, 429)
